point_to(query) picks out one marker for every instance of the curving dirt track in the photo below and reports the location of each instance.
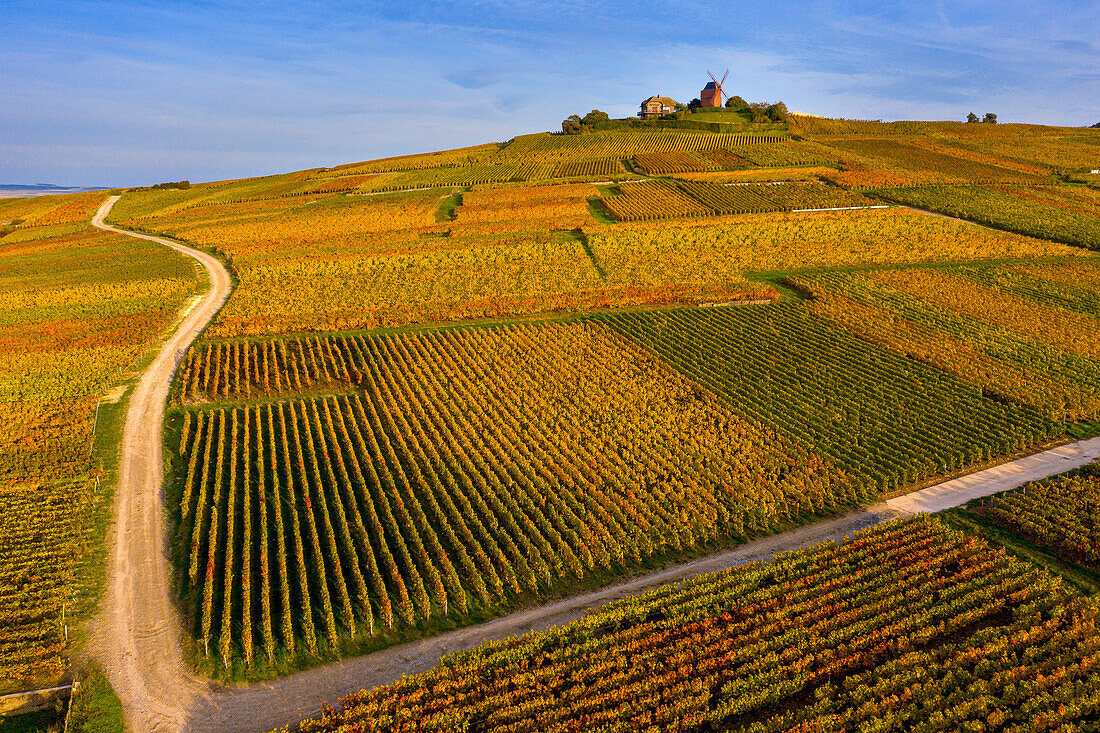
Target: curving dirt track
(138, 636)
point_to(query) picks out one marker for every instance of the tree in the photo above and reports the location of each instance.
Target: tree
(594, 117)
(972, 117)
(777, 112)
(737, 104)
(759, 112)
(990, 118)
(571, 125)
(695, 104)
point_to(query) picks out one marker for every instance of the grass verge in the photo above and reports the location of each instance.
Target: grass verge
(94, 707)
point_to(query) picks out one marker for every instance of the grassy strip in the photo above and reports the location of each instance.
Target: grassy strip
(447, 206)
(1084, 430)
(94, 707)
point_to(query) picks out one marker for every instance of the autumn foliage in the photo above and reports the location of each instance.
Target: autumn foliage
(907, 626)
(475, 467)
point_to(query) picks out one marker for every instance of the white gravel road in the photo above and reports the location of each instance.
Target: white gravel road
(999, 478)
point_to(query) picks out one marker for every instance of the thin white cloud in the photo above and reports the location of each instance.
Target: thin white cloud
(214, 91)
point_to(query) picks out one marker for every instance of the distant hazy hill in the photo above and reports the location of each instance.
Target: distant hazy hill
(9, 190)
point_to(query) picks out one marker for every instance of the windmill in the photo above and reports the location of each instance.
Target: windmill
(712, 93)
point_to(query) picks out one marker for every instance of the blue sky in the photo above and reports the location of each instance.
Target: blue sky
(128, 93)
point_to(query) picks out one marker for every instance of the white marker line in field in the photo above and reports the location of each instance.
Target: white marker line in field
(402, 190)
(841, 208)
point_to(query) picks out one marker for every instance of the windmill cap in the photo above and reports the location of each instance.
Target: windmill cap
(710, 85)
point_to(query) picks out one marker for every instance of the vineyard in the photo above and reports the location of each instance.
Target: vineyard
(342, 184)
(77, 307)
(1025, 346)
(589, 168)
(471, 175)
(451, 385)
(878, 416)
(526, 159)
(761, 175)
(1062, 513)
(404, 460)
(1039, 212)
(645, 201)
(1053, 149)
(42, 529)
(725, 159)
(907, 626)
(729, 199)
(920, 164)
(957, 156)
(441, 279)
(813, 195)
(627, 144)
(661, 164)
(441, 159)
(966, 300)
(1074, 286)
(476, 466)
(50, 211)
(312, 254)
(649, 200)
(719, 251)
(786, 155)
(561, 206)
(394, 262)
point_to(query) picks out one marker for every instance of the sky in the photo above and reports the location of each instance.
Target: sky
(132, 93)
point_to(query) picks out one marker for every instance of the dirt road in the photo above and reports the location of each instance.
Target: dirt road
(139, 635)
(998, 478)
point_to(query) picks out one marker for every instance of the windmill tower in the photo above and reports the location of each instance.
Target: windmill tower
(712, 93)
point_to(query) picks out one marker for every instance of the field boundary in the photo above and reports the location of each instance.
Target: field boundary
(842, 208)
(1001, 477)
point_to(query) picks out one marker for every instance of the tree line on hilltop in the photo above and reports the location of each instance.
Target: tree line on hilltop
(762, 112)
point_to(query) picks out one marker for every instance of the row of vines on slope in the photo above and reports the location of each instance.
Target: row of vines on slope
(669, 199)
(1024, 333)
(475, 467)
(904, 627)
(1062, 513)
(876, 414)
(77, 308)
(1051, 212)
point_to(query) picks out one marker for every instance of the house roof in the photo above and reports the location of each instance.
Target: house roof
(661, 100)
